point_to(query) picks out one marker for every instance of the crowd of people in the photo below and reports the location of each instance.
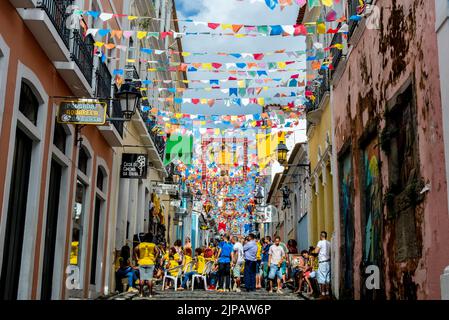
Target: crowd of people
(264, 264)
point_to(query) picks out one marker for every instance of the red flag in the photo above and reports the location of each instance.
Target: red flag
(258, 56)
(213, 25)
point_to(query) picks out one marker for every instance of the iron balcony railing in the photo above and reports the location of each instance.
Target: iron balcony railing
(57, 12)
(158, 140)
(352, 9)
(104, 81)
(114, 110)
(83, 54)
(319, 93)
(335, 52)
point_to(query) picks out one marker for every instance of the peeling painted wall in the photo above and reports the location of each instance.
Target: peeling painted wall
(378, 67)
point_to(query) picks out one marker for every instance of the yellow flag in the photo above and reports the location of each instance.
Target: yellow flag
(207, 66)
(141, 34)
(226, 26)
(281, 65)
(132, 18)
(185, 54)
(321, 28)
(327, 3)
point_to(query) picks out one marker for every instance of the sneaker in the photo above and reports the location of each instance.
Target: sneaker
(279, 291)
(211, 287)
(133, 290)
(238, 290)
(270, 291)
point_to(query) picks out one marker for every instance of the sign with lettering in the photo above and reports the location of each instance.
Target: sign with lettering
(82, 112)
(134, 166)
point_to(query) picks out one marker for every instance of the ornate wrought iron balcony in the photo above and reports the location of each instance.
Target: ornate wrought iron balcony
(57, 12)
(319, 92)
(83, 54)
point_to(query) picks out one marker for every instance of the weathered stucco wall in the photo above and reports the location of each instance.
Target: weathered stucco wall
(403, 49)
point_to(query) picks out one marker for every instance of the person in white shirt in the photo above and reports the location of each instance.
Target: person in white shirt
(276, 255)
(237, 261)
(323, 248)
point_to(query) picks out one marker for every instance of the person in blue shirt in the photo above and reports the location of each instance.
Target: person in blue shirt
(250, 251)
(225, 249)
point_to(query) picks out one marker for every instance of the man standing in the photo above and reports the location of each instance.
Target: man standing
(276, 255)
(323, 249)
(224, 264)
(146, 253)
(237, 262)
(264, 262)
(250, 250)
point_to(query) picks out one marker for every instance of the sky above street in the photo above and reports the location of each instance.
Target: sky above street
(234, 12)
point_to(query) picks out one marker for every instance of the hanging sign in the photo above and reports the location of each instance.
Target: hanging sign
(134, 166)
(82, 112)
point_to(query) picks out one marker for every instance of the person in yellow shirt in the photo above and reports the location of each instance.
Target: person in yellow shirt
(200, 265)
(146, 253)
(187, 260)
(258, 264)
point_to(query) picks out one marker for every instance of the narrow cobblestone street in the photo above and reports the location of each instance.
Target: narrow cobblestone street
(200, 294)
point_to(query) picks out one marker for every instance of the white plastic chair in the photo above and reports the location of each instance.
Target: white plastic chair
(203, 275)
(174, 278)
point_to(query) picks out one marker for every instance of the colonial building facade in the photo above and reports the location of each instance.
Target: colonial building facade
(65, 210)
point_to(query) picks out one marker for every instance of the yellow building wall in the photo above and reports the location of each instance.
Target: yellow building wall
(321, 205)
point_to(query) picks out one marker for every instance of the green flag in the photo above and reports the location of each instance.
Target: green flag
(178, 147)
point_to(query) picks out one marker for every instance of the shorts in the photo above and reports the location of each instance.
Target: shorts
(258, 266)
(236, 271)
(146, 272)
(324, 272)
(275, 271)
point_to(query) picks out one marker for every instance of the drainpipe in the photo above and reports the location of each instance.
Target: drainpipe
(444, 280)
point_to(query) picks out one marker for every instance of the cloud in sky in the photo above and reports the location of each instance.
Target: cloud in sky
(234, 12)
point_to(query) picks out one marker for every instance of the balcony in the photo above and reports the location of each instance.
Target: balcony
(158, 140)
(321, 92)
(336, 53)
(24, 3)
(352, 10)
(112, 132)
(83, 54)
(71, 54)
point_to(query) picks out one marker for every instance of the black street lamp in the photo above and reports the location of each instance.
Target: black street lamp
(129, 96)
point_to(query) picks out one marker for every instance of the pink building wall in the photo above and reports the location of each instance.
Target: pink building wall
(405, 48)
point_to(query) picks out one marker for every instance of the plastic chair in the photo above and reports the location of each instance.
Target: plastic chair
(175, 278)
(203, 275)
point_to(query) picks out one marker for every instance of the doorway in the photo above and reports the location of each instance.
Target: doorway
(51, 230)
(16, 216)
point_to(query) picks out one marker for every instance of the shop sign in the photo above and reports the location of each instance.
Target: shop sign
(82, 112)
(134, 166)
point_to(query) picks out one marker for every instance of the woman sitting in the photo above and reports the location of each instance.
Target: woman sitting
(125, 270)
